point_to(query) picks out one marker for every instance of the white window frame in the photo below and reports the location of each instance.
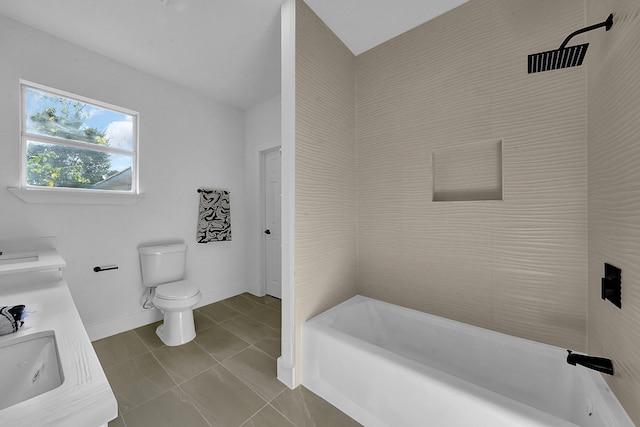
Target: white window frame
(31, 193)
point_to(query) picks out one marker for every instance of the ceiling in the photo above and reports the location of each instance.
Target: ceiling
(227, 49)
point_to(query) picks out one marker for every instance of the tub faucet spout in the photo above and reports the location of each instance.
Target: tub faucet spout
(599, 364)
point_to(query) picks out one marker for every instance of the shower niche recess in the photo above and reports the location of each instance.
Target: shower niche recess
(467, 172)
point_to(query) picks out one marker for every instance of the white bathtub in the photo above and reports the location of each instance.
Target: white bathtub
(386, 365)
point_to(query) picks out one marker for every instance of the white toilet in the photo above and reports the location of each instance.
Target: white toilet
(163, 269)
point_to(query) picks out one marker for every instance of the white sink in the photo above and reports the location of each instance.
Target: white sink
(30, 366)
(17, 259)
(49, 373)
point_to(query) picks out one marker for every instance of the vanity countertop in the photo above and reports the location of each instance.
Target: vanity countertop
(85, 398)
(28, 261)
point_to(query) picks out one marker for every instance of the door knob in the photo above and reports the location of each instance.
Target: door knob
(267, 231)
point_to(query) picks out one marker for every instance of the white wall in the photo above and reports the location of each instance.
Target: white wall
(262, 132)
(186, 141)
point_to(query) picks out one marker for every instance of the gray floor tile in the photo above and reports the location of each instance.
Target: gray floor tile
(171, 409)
(247, 328)
(266, 315)
(202, 321)
(241, 303)
(138, 380)
(118, 348)
(235, 394)
(218, 311)
(148, 335)
(271, 345)
(184, 361)
(257, 370)
(265, 300)
(275, 303)
(219, 342)
(268, 417)
(304, 408)
(222, 398)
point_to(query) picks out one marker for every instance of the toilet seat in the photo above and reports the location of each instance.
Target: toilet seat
(180, 290)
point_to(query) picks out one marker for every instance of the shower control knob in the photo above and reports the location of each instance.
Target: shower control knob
(267, 231)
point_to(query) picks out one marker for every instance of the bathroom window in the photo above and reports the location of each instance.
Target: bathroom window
(73, 143)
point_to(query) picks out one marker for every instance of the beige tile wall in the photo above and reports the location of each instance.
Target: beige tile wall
(519, 265)
(614, 191)
(325, 241)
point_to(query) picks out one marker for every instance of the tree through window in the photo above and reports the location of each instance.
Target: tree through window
(72, 142)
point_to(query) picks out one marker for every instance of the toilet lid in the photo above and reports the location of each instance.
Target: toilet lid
(176, 290)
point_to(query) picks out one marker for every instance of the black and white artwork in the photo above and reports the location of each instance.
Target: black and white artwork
(214, 218)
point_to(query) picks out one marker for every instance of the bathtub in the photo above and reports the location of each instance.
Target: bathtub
(386, 365)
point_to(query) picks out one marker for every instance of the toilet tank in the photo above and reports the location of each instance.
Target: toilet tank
(162, 264)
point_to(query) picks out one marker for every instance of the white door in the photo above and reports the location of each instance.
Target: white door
(272, 249)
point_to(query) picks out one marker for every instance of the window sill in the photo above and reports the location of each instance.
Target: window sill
(35, 195)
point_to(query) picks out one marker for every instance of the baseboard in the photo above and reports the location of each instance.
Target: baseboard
(218, 295)
(101, 330)
(286, 373)
(111, 327)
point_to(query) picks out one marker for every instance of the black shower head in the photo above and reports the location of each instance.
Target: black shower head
(559, 58)
(564, 57)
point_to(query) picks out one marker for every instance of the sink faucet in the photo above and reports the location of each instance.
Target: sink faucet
(596, 363)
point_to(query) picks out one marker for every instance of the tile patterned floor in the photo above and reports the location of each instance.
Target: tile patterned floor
(225, 377)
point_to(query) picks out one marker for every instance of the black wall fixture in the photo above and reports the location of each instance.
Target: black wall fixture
(98, 269)
(564, 56)
(612, 285)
